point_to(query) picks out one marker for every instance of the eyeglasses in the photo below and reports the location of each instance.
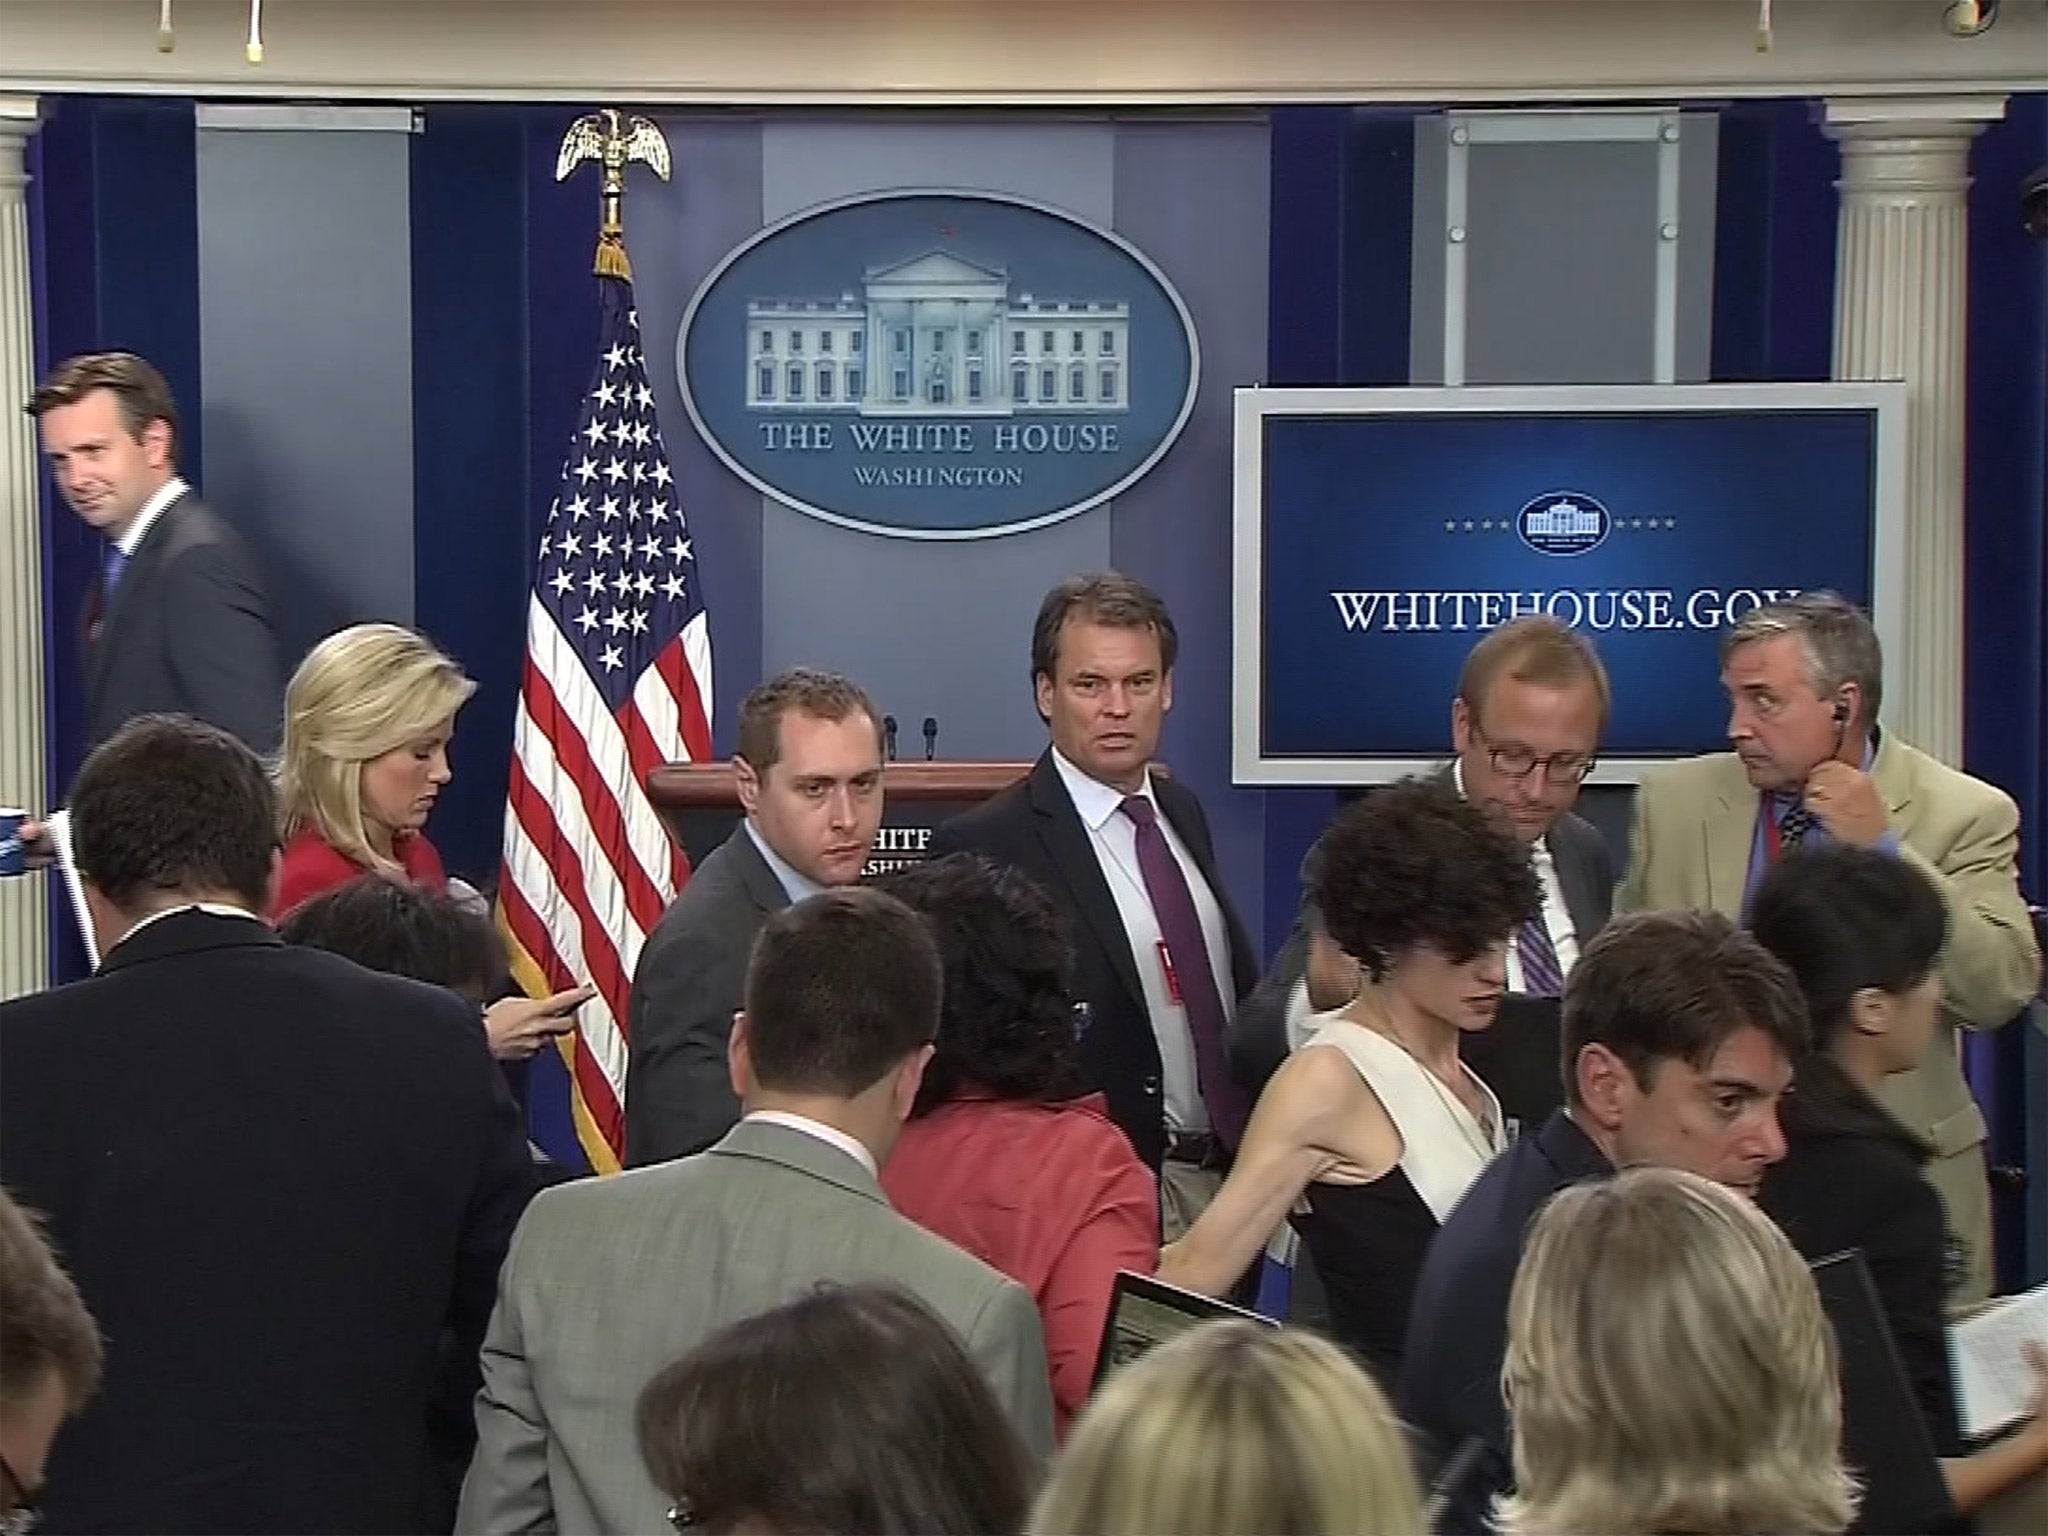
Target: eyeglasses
(1516, 762)
(26, 1512)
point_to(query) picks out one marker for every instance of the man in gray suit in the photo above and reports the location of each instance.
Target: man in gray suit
(609, 1280)
(809, 769)
(1531, 705)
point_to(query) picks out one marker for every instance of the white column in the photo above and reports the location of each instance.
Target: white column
(24, 955)
(1901, 281)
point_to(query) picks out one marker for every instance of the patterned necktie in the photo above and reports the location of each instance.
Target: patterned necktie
(1795, 826)
(1173, 905)
(1542, 976)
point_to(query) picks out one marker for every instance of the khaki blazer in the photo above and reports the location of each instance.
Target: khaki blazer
(1690, 845)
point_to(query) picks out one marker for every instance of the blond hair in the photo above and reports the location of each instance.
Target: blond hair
(360, 693)
(1233, 1429)
(1669, 1368)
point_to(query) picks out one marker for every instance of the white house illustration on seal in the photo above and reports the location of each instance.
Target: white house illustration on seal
(1563, 519)
(938, 335)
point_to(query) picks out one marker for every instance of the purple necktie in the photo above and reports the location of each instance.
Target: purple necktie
(111, 570)
(1173, 905)
(1542, 976)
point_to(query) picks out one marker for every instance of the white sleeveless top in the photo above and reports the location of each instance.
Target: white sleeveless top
(1443, 1148)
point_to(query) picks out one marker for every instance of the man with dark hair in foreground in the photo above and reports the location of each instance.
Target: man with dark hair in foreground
(1679, 1036)
(611, 1279)
(276, 1176)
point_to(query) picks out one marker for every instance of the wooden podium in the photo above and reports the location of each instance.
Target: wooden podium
(700, 804)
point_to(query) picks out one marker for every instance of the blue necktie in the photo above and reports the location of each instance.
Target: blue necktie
(111, 571)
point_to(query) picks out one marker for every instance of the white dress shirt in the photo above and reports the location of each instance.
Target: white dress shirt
(1114, 837)
(831, 1135)
(152, 509)
(1557, 917)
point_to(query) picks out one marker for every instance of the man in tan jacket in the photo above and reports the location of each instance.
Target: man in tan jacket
(1804, 680)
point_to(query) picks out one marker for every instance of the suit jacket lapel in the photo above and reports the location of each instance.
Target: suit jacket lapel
(1181, 810)
(754, 872)
(1073, 855)
(1729, 829)
(1575, 879)
(1892, 772)
(103, 617)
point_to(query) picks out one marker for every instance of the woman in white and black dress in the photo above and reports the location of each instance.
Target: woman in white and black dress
(1371, 1131)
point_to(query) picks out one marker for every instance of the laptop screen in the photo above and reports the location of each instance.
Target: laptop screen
(1144, 1313)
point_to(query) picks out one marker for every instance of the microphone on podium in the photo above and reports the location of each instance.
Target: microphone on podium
(931, 737)
(888, 738)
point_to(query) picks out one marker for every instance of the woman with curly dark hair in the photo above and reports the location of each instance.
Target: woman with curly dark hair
(1006, 1153)
(1373, 1129)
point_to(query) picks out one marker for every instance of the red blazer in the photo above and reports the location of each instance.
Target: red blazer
(1050, 1194)
(313, 866)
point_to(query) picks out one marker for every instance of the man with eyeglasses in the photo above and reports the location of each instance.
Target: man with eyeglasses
(1532, 702)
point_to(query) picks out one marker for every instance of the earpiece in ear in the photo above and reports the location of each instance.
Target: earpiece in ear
(1841, 712)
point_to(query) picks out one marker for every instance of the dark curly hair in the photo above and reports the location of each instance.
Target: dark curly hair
(1415, 863)
(1006, 1024)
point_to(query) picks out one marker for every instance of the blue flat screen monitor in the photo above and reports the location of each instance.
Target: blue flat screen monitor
(1380, 533)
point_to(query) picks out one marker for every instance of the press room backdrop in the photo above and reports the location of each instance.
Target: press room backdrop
(378, 328)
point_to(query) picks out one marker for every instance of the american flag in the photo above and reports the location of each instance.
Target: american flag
(617, 680)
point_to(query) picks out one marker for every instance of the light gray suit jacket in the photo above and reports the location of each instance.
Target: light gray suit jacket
(611, 1279)
(679, 1097)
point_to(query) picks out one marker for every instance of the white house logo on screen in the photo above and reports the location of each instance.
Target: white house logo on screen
(938, 365)
(1563, 523)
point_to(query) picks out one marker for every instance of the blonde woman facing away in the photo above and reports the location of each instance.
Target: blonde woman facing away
(1669, 1369)
(368, 717)
(1235, 1430)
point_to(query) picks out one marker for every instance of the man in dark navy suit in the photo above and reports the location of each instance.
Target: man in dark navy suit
(1679, 1036)
(277, 1177)
(1162, 957)
(177, 621)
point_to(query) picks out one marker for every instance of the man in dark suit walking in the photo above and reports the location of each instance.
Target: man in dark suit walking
(277, 1178)
(1531, 705)
(1162, 956)
(809, 770)
(177, 622)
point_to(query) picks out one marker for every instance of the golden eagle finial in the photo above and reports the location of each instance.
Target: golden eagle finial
(614, 140)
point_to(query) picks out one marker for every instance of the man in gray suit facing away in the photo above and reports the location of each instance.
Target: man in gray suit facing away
(610, 1279)
(809, 772)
